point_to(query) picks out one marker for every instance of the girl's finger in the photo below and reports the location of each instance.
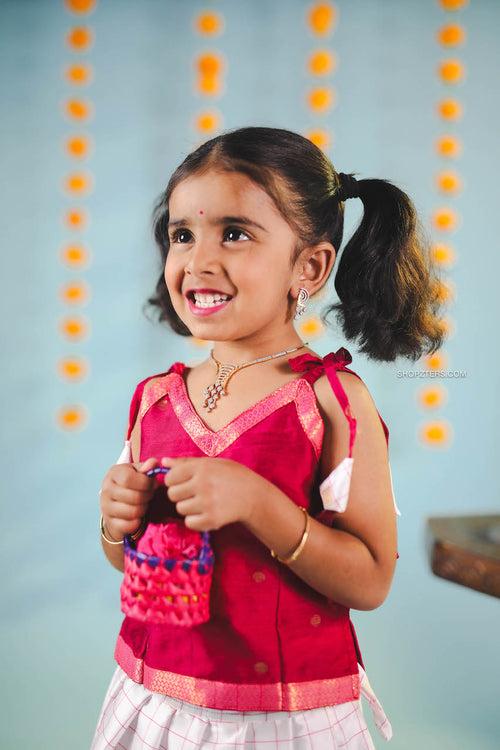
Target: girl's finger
(150, 463)
(188, 507)
(132, 495)
(181, 491)
(125, 512)
(179, 472)
(197, 522)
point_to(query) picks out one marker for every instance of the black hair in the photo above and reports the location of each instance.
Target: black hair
(387, 283)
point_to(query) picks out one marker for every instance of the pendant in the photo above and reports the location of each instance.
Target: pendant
(217, 389)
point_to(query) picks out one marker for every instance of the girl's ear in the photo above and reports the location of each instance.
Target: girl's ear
(316, 265)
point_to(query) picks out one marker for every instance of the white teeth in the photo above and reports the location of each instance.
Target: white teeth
(209, 300)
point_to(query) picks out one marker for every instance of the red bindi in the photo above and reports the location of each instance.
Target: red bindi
(200, 211)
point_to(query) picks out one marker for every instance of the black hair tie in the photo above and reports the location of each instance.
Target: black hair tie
(349, 187)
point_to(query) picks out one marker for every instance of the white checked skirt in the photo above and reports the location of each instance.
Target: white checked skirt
(134, 718)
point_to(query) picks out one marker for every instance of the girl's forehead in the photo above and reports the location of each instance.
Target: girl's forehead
(200, 198)
(217, 187)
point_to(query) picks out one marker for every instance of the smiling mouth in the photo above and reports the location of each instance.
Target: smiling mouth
(208, 306)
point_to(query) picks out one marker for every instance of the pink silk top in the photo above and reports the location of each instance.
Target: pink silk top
(272, 643)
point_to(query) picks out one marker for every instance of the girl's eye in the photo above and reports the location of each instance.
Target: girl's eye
(176, 236)
(235, 230)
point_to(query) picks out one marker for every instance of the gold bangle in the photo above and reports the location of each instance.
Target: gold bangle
(301, 544)
(133, 536)
(103, 534)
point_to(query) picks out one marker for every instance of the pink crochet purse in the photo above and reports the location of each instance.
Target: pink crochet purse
(168, 572)
(168, 575)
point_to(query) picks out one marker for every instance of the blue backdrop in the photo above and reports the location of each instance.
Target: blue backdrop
(430, 650)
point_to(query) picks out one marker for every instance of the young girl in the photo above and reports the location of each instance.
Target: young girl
(276, 451)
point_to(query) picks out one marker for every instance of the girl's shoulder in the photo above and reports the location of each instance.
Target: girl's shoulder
(351, 389)
(149, 381)
(356, 405)
(350, 381)
(356, 390)
(336, 387)
(145, 390)
(340, 392)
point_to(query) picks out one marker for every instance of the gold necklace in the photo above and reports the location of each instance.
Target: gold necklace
(218, 388)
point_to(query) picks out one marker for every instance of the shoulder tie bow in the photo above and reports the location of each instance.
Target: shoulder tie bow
(308, 361)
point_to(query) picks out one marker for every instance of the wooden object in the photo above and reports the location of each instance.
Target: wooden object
(466, 550)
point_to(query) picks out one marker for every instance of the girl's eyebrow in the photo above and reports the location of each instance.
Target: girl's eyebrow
(220, 221)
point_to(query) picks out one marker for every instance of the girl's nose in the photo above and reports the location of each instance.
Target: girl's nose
(203, 257)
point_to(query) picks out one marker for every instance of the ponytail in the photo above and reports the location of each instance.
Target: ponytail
(386, 280)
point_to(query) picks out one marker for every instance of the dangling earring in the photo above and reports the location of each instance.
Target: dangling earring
(301, 302)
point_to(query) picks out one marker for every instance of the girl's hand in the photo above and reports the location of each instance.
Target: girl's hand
(125, 495)
(211, 492)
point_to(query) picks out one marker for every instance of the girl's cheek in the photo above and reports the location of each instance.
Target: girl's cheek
(170, 276)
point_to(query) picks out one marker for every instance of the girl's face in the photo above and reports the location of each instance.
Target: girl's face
(226, 235)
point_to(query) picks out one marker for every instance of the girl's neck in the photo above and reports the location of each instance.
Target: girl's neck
(234, 352)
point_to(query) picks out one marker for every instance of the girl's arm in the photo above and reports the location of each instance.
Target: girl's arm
(353, 562)
(114, 552)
